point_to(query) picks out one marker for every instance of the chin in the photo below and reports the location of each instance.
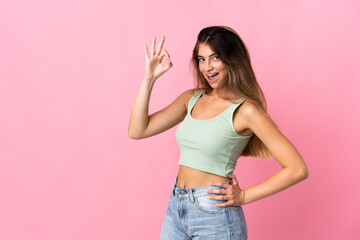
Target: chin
(215, 84)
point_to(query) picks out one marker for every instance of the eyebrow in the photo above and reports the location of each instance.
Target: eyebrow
(209, 56)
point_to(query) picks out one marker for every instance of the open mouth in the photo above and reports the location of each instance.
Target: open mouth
(212, 77)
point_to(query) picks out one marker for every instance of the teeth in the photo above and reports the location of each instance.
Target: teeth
(212, 75)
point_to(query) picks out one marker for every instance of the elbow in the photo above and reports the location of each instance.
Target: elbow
(136, 137)
(302, 173)
(306, 174)
(133, 135)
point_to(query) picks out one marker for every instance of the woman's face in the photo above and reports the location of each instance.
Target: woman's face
(210, 65)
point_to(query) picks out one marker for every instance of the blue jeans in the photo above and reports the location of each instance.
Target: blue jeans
(192, 215)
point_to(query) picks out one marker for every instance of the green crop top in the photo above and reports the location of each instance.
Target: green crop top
(210, 145)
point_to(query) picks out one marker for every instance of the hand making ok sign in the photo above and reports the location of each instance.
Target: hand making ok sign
(153, 61)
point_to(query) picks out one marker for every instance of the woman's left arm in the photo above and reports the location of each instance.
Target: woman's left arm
(293, 169)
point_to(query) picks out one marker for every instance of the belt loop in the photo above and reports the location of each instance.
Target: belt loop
(191, 196)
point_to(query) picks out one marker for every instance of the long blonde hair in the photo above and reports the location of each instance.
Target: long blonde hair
(240, 79)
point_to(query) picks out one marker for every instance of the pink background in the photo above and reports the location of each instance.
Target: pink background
(70, 71)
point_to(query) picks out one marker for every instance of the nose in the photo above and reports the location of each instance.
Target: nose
(208, 66)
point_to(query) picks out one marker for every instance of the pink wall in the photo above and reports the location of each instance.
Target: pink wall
(69, 73)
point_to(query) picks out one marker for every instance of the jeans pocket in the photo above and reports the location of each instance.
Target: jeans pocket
(205, 204)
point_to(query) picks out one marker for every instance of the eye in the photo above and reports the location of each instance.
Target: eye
(216, 57)
(201, 59)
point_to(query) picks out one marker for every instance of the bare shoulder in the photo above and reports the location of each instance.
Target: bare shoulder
(249, 117)
(254, 117)
(250, 111)
(242, 116)
(189, 93)
(186, 95)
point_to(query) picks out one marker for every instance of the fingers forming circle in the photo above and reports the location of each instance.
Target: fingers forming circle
(166, 54)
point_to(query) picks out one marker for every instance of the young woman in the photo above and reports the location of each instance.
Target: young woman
(223, 118)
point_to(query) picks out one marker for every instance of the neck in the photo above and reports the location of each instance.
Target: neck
(223, 93)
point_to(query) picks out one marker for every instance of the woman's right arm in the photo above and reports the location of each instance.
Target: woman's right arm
(141, 125)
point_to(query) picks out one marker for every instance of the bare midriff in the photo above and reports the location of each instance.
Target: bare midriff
(192, 178)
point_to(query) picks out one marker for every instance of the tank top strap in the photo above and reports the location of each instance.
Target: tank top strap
(240, 101)
(229, 114)
(194, 98)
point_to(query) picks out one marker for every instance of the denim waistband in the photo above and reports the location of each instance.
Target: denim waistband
(200, 191)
